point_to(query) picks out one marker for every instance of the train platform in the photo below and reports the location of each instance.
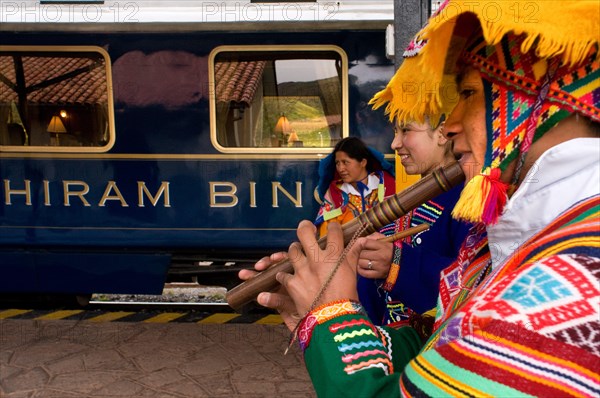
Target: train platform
(85, 358)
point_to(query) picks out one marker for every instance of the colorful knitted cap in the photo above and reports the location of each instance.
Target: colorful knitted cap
(525, 97)
(539, 64)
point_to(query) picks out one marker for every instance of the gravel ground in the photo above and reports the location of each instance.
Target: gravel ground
(172, 293)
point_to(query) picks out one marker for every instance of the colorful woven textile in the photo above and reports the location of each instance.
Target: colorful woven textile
(322, 314)
(361, 355)
(513, 81)
(529, 329)
(574, 232)
(461, 277)
(503, 360)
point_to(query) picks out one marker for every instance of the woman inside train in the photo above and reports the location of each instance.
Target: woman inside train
(352, 179)
(401, 278)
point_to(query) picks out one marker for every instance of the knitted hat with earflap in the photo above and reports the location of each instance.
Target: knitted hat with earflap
(525, 97)
(536, 68)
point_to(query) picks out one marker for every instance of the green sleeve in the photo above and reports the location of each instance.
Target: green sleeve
(349, 356)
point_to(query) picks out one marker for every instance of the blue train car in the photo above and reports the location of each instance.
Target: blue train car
(141, 140)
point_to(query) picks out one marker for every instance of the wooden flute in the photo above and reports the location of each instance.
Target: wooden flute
(407, 232)
(384, 213)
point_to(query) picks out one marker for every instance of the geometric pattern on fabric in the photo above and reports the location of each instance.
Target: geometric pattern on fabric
(460, 279)
(563, 257)
(553, 294)
(509, 128)
(537, 288)
(587, 335)
(513, 81)
(426, 213)
(503, 359)
(509, 108)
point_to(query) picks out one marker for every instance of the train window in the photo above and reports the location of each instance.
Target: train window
(278, 99)
(55, 99)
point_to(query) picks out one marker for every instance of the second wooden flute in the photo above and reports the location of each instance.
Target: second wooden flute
(386, 212)
(407, 232)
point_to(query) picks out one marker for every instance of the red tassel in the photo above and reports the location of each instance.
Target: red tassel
(496, 197)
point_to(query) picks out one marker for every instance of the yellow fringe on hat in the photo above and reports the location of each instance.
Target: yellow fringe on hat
(557, 28)
(565, 28)
(410, 96)
(469, 206)
(419, 101)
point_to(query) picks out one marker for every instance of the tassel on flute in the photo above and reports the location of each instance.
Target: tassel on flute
(394, 207)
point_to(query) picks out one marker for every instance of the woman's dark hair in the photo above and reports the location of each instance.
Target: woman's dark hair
(356, 149)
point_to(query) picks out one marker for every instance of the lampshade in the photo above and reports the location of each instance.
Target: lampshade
(283, 125)
(56, 126)
(293, 137)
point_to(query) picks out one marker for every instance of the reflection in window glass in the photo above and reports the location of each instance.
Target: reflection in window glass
(278, 99)
(57, 99)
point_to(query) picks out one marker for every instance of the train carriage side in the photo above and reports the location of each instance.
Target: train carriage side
(135, 151)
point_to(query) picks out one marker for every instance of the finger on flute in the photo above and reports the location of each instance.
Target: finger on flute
(405, 233)
(385, 212)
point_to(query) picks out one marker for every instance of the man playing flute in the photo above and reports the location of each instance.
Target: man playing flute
(519, 310)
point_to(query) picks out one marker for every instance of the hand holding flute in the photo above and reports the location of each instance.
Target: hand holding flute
(303, 290)
(384, 213)
(376, 249)
(375, 258)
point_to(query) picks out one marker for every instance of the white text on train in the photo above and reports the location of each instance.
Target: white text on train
(222, 193)
(227, 191)
(78, 189)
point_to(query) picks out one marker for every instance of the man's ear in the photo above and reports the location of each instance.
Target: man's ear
(441, 137)
(442, 140)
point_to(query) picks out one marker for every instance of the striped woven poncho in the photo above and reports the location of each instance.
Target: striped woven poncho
(531, 329)
(528, 325)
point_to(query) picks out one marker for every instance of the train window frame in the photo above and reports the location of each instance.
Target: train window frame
(110, 139)
(274, 49)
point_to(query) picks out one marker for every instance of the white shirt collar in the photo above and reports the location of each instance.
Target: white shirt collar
(372, 183)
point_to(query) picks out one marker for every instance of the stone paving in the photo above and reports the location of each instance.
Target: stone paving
(63, 359)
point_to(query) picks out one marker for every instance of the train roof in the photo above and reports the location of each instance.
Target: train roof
(193, 15)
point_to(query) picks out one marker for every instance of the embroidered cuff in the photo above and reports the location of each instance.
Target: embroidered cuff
(322, 314)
